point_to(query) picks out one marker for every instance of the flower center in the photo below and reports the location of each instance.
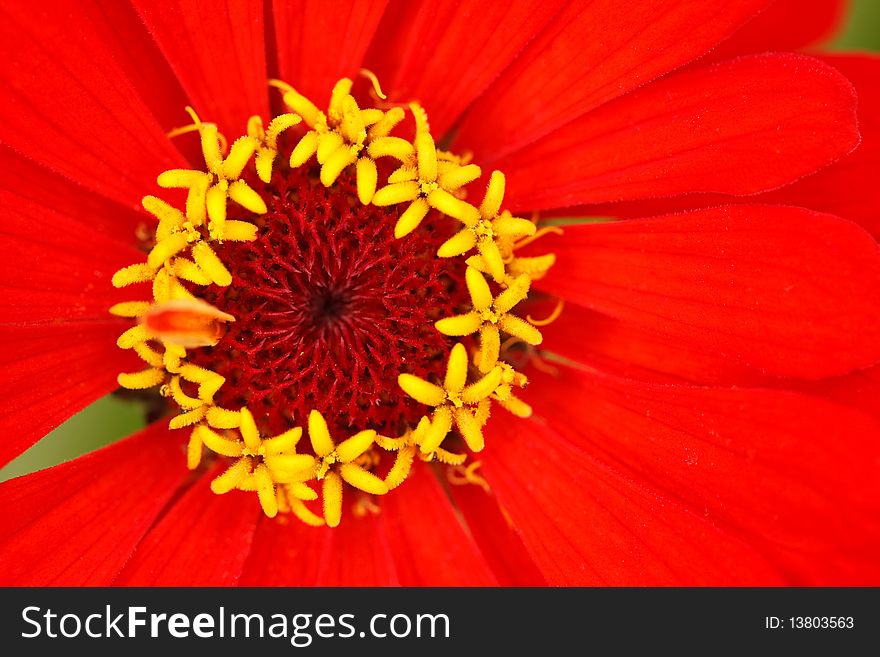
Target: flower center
(298, 293)
(330, 309)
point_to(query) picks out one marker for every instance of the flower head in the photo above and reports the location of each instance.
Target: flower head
(363, 264)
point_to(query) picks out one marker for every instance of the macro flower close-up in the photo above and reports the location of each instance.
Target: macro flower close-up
(442, 293)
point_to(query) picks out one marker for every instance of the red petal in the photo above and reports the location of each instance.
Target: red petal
(218, 53)
(848, 188)
(416, 540)
(588, 522)
(25, 180)
(56, 267)
(500, 544)
(305, 31)
(738, 127)
(430, 544)
(202, 540)
(446, 53)
(56, 293)
(786, 26)
(589, 54)
(68, 104)
(845, 188)
(626, 349)
(787, 290)
(288, 553)
(791, 475)
(51, 372)
(860, 389)
(77, 523)
(119, 27)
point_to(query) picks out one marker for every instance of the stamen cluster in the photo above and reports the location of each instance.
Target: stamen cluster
(186, 268)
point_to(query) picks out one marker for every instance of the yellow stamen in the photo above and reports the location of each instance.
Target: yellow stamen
(552, 317)
(367, 73)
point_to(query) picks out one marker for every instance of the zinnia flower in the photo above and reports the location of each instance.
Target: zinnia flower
(334, 310)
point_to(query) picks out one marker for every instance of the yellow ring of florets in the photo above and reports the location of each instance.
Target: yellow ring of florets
(426, 179)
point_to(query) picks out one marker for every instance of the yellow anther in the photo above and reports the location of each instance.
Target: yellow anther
(396, 193)
(189, 271)
(133, 336)
(422, 391)
(180, 397)
(482, 388)
(362, 479)
(332, 494)
(181, 178)
(300, 491)
(239, 231)
(348, 450)
(395, 147)
(335, 164)
(452, 400)
(448, 458)
(220, 444)
(232, 478)
(215, 203)
(249, 433)
(337, 464)
(490, 347)
(536, 267)
(147, 378)
(194, 449)
(328, 143)
(319, 435)
(267, 141)
(223, 418)
(411, 217)
(491, 204)
(241, 193)
(130, 308)
(516, 407)
(149, 355)
(402, 466)
(187, 419)
(303, 151)
(367, 179)
(283, 442)
(383, 127)
(426, 157)
(166, 249)
(209, 382)
(446, 203)
(209, 263)
(441, 425)
(488, 231)
(266, 491)
(302, 106)
(459, 176)
(239, 155)
(139, 273)
(341, 91)
(489, 315)
(262, 463)
(170, 218)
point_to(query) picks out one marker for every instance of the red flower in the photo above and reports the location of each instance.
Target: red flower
(710, 412)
